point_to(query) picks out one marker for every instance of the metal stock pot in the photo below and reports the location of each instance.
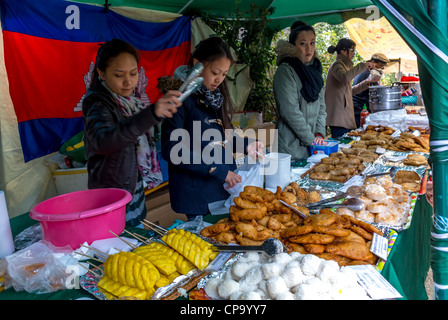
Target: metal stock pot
(384, 98)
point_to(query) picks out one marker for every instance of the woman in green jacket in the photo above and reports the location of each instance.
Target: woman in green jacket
(299, 95)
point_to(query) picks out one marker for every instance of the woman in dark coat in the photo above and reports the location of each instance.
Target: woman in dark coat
(117, 125)
(199, 142)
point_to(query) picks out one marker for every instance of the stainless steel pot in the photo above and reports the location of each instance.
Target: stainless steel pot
(384, 98)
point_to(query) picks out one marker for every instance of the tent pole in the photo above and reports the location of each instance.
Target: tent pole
(437, 11)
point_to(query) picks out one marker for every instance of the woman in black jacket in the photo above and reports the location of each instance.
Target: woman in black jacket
(117, 123)
(199, 142)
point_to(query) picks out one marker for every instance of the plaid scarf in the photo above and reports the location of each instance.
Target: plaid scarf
(148, 162)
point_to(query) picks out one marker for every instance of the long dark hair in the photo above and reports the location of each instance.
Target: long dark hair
(108, 50)
(210, 50)
(343, 44)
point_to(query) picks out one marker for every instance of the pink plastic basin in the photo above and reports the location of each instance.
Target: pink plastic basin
(82, 216)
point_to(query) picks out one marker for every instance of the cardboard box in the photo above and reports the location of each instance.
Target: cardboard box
(159, 208)
(70, 180)
(264, 132)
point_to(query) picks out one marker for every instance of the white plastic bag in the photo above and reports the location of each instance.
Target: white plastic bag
(251, 175)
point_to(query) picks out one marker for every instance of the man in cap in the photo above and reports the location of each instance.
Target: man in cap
(380, 61)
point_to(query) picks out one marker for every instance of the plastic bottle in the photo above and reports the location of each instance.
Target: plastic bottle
(364, 114)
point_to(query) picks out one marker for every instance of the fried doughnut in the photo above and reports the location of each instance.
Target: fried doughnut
(248, 230)
(314, 238)
(237, 214)
(363, 233)
(365, 225)
(313, 196)
(319, 175)
(334, 231)
(295, 231)
(215, 229)
(247, 242)
(314, 248)
(247, 204)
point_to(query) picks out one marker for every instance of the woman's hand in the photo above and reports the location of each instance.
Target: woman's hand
(232, 179)
(167, 105)
(319, 141)
(253, 148)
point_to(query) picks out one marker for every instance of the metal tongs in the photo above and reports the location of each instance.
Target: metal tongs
(192, 82)
(270, 246)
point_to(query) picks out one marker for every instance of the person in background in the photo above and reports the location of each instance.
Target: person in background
(299, 94)
(380, 61)
(116, 125)
(339, 90)
(198, 142)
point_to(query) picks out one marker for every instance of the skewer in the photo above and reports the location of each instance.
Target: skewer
(155, 225)
(153, 229)
(96, 267)
(90, 257)
(90, 270)
(96, 250)
(136, 236)
(128, 243)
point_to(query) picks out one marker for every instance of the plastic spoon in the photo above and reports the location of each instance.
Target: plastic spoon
(270, 246)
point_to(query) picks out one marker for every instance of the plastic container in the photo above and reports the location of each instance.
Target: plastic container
(277, 170)
(74, 148)
(330, 147)
(82, 216)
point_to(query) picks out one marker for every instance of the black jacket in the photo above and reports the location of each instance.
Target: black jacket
(195, 182)
(110, 140)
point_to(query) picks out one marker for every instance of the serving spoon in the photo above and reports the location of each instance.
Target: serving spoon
(270, 246)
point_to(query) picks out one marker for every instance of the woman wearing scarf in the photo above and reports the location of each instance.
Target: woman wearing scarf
(198, 142)
(117, 126)
(299, 95)
(339, 91)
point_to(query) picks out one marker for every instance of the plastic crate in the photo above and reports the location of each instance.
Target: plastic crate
(330, 147)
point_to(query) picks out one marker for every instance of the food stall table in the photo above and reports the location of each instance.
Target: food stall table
(406, 268)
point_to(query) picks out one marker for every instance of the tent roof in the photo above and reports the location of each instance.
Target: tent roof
(285, 13)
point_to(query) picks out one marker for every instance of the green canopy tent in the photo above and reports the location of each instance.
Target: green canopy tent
(425, 31)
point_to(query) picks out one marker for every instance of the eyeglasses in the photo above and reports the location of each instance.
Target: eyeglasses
(351, 49)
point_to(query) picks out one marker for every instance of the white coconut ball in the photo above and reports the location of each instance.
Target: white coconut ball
(271, 269)
(328, 270)
(227, 287)
(282, 258)
(239, 269)
(276, 286)
(310, 264)
(285, 295)
(211, 288)
(252, 277)
(293, 275)
(255, 295)
(307, 292)
(251, 256)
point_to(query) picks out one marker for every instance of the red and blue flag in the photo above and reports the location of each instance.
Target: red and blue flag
(50, 48)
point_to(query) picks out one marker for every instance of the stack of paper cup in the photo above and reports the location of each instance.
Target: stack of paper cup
(6, 241)
(277, 170)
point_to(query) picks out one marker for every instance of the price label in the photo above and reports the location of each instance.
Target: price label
(379, 246)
